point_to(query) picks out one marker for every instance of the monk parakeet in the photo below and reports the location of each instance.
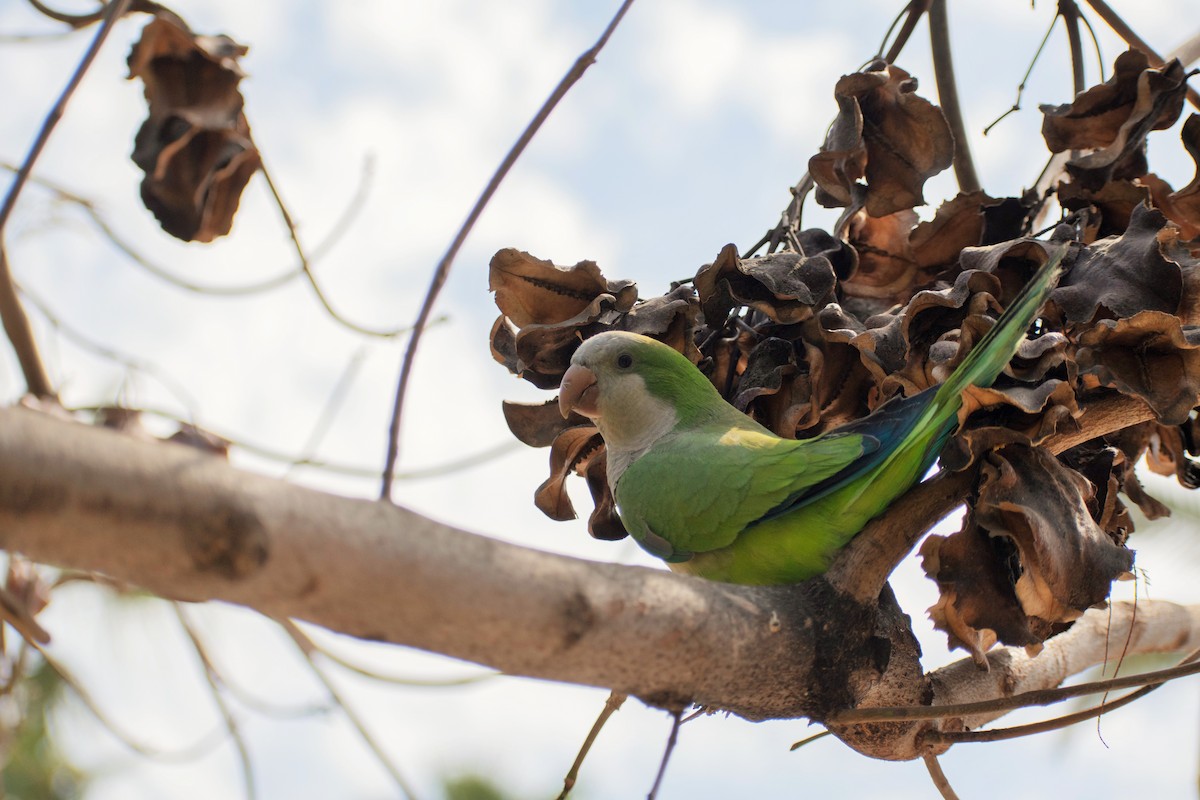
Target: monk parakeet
(713, 493)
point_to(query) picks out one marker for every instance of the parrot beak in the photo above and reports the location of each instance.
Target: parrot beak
(578, 392)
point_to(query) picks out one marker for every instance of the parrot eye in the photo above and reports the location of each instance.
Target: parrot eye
(624, 361)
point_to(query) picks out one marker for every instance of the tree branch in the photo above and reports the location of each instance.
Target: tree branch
(442, 271)
(943, 69)
(186, 525)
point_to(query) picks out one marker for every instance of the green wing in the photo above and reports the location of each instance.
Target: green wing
(697, 489)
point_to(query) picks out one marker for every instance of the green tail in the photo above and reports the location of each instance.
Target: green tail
(982, 365)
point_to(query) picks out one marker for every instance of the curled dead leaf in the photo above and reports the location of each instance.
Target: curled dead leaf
(1150, 355)
(784, 286)
(1030, 558)
(195, 147)
(531, 290)
(885, 133)
(1112, 119)
(1122, 275)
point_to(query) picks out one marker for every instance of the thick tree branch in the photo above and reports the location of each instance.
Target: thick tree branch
(186, 525)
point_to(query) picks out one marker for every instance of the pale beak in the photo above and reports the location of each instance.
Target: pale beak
(578, 392)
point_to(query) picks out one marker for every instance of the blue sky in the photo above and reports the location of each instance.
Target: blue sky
(684, 136)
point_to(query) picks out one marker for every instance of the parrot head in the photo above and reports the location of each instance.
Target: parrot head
(635, 389)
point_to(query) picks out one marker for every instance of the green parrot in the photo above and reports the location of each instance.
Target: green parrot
(702, 486)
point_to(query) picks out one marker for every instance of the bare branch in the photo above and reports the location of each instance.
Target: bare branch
(113, 11)
(186, 525)
(307, 649)
(443, 268)
(912, 15)
(943, 68)
(611, 706)
(1122, 29)
(189, 526)
(306, 268)
(1071, 16)
(20, 333)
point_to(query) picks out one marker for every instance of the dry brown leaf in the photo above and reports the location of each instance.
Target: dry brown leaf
(1113, 119)
(195, 147)
(1030, 558)
(1150, 355)
(885, 133)
(569, 452)
(531, 290)
(784, 286)
(1122, 275)
(887, 268)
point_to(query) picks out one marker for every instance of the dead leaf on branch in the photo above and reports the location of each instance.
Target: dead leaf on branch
(532, 291)
(784, 286)
(1030, 558)
(886, 134)
(195, 146)
(1183, 206)
(1122, 275)
(580, 450)
(1113, 119)
(1015, 414)
(1150, 355)
(887, 265)
(544, 310)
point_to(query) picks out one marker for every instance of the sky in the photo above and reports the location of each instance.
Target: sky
(684, 136)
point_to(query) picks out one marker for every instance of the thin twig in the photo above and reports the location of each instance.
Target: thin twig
(114, 11)
(76, 21)
(14, 612)
(307, 648)
(306, 266)
(611, 706)
(915, 9)
(104, 351)
(20, 332)
(330, 410)
(936, 737)
(670, 748)
(336, 232)
(443, 268)
(16, 323)
(310, 647)
(1122, 29)
(1016, 106)
(475, 459)
(943, 68)
(214, 684)
(200, 748)
(789, 221)
(939, 778)
(1070, 14)
(1124, 649)
(1036, 697)
(810, 739)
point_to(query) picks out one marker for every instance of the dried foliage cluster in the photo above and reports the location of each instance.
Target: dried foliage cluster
(823, 327)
